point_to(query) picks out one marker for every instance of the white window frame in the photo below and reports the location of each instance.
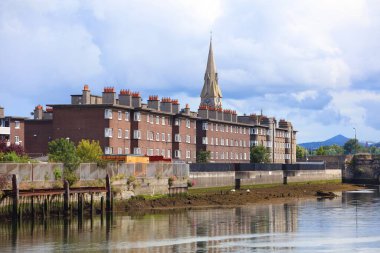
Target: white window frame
(137, 151)
(119, 133)
(177, 153)
(205, 126)
(177, 138)
(108, 132)
(187, 123)
(136, 135)
(108, 150)
(119, 115)
(127, 115)
(108, 113)
(137, 116)
(17, 124)
(126, 132)
(204, 140)
(188, 154)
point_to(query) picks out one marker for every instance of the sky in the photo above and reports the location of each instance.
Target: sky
(314, 63)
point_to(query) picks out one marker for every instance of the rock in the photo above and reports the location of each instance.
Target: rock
(323, 194)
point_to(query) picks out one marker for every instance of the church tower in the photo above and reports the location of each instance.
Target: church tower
(211, 94)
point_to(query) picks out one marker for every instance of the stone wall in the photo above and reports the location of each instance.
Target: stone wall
(363, 168)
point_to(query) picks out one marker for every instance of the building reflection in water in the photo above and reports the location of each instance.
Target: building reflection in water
(202, 230)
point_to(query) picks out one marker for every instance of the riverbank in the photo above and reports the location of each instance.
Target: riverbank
(217, 197)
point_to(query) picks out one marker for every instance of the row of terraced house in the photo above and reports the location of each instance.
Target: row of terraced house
(124, 125)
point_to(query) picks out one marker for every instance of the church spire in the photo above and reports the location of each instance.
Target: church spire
(211, 94)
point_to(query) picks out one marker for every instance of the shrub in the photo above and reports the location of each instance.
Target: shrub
(70, 176)
(57, 173)
(171, 180)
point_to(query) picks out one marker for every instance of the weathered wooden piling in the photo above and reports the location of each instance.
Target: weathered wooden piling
(66, 198)
(108, 194)
(101, 205)
(15, 196)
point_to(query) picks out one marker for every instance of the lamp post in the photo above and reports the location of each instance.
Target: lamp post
(355, 141)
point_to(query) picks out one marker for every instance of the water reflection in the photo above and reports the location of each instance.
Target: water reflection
(339, 225)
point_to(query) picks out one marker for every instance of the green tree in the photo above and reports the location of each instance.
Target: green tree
(259, 154)
(351, 146)
(321, 151)
(64, 151)
(301, 152)
(203, 156)
(89, 151)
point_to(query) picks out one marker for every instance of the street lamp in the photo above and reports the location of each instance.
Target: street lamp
(355, 141)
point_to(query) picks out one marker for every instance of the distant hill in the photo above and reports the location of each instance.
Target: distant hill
(339, 140)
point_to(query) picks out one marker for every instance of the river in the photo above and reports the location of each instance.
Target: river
(350, 223)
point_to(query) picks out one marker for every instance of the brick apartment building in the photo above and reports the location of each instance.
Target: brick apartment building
(12, 128)
(123, 124)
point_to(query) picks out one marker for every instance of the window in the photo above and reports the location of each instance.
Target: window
(204, 140)
(240, 131)
(222, 142)
(188, 139)
(212, 140)
(222, 155)
(151, 119)
(119, 133)
(149, 151)
(216, 142)
(163, 138)
(17, 140)
(226, 155)
(187, 123)
(188, 154)
(204, 126)
(227, 143)
(163, 121)
(216, 127)
(254, 143)
(157, 119)
(157, 136)
(244, 131)
(147, 118)
(216, 155)
(126, 151)
(212, 155)
(108, 132)
(108, 150)
(169, 138)
(227, 131)
(177, 153)
(137, 116)
(240, 143)
(177, 122)
(137, 151)
(126, 116)
(157, 151)
(169, 153)
(177, 138)
(119, 151)
(119, 115)
(163, 152)
(195, 139)
(245, 156)
(136, 135)
(17, 124)
(126, 134)
(108, 114)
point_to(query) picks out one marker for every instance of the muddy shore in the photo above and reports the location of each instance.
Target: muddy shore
(224, 197)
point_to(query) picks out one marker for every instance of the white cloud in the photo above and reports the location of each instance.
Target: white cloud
(316, 63)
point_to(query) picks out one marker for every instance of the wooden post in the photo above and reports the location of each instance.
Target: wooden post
(237, 183)
(15, 196)
(109, 194)
(80, 205)
(66, 197)
(92, 204)
(102, 205)
(32, 207)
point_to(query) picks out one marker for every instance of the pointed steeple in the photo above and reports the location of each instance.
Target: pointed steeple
(211, 94)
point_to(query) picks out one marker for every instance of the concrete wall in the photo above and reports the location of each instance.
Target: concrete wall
(314, 175)
(212, 179)
(260, 177)
(30, 172)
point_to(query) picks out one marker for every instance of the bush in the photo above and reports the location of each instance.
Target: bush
(57, 173)
(70, 176)
(171, 180)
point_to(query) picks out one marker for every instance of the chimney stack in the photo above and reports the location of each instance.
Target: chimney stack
(109, 95)
(154, 102)
(175, 106)
(187, 109)
(86, 95)
(136, 99)
(125, 98)
(2, 112)
(166, 105)
(38, 112)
